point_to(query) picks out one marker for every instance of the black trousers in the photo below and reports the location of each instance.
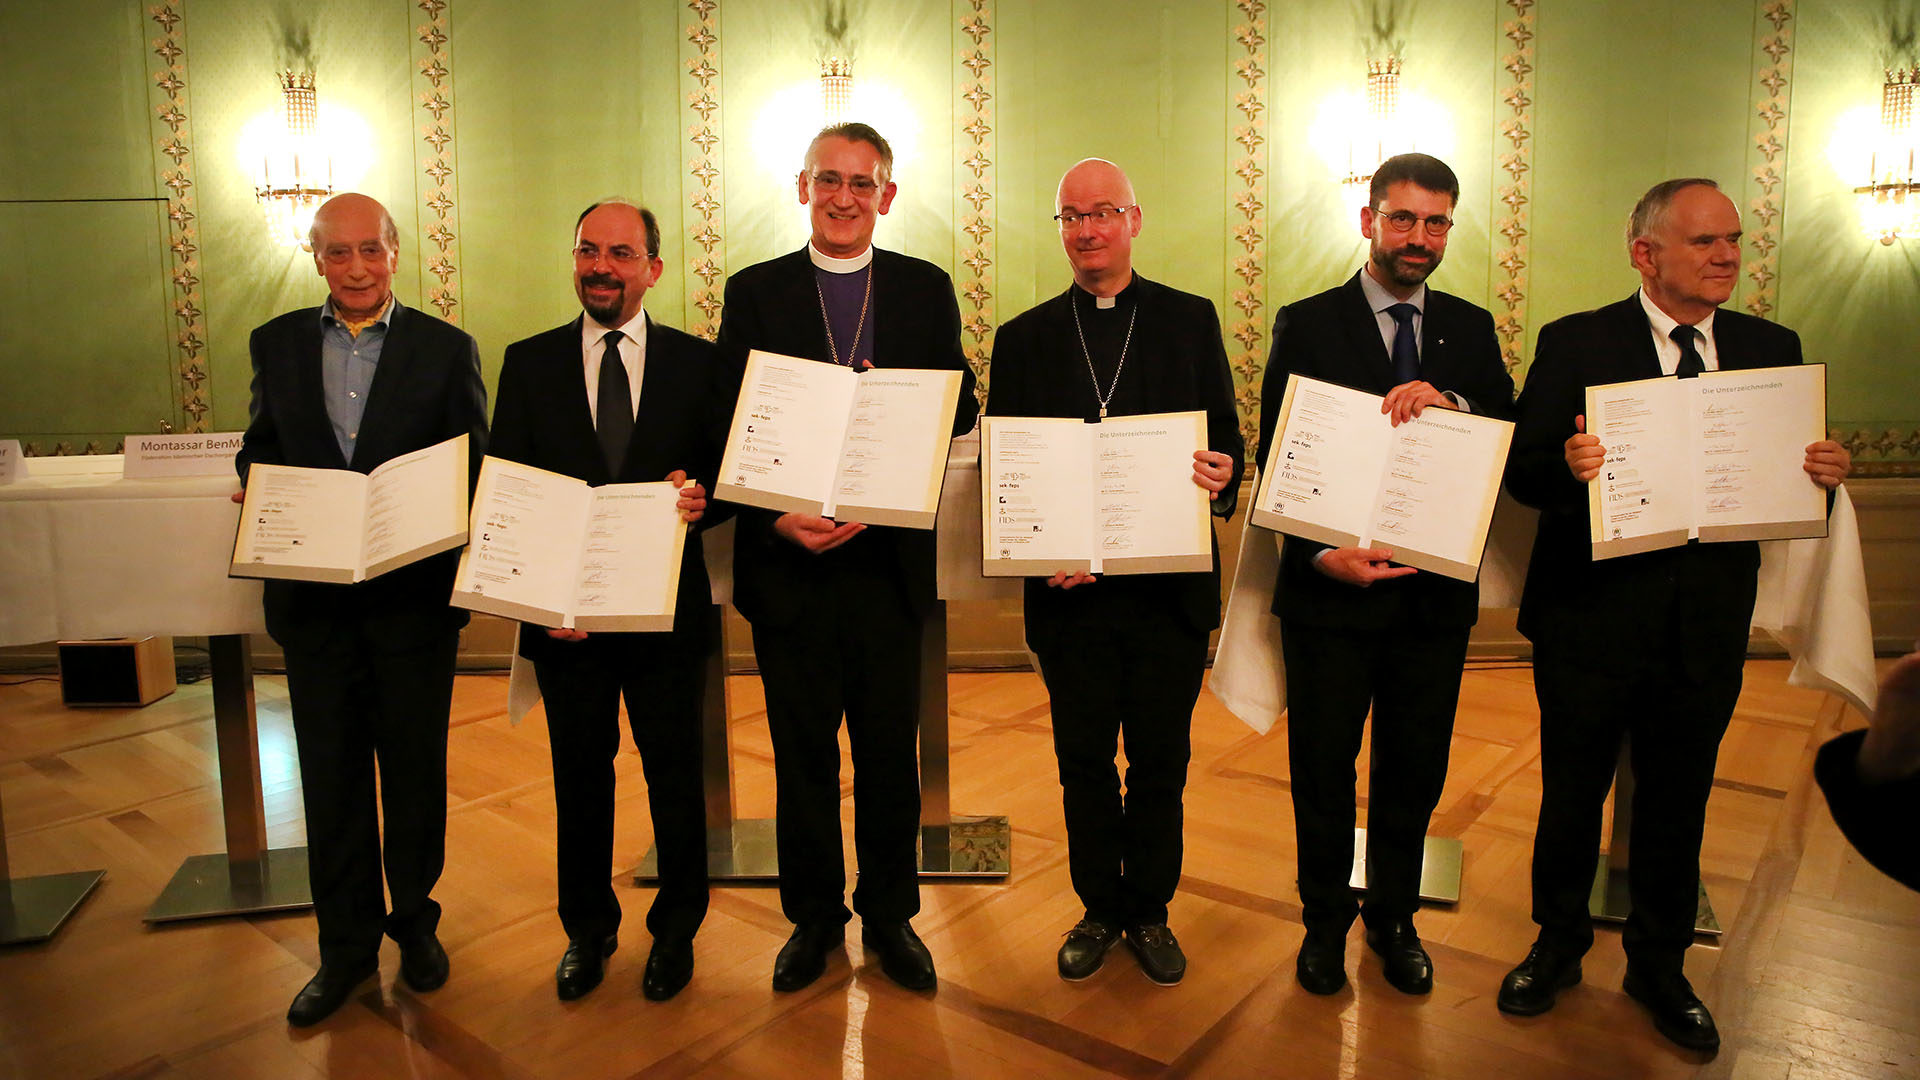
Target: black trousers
(662, 677)
(356, 708)
(857, 654)
(1134, 679)
(1411, 680)
(1675, 707)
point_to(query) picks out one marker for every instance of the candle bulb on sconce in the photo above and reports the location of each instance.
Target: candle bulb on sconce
(1378, 138)
(296, 171)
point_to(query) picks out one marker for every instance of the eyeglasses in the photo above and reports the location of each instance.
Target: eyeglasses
(619, 255)
(1404, 221)
(829, 183)
(1071, 219)
(337, 254)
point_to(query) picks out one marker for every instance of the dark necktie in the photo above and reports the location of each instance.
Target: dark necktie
(1690, 362)
(613, 405)
(1406, 347)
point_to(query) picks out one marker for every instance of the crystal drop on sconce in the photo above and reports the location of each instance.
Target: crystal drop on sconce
(296, 173)
(1371, 145)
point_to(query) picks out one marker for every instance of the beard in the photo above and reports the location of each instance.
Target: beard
(1398, 270)
(607, 314)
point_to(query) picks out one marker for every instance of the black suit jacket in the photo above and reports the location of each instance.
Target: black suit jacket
(1334, 337)
(541, 418)
(426, 389)
(1038, 370)
(1570, 599)
(775, 306)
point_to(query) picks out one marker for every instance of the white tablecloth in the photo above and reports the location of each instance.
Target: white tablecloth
(86, 554)
(1812, 600)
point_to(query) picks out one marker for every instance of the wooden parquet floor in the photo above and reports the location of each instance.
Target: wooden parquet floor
(1818, 974)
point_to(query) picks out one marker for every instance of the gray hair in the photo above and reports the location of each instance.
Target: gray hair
(389, 232)
(853, 131)
(1651, 211)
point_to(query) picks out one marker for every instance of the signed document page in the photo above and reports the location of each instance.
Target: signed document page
(1149, 515)
(1751, 430)
(1716, 457)
(340, 526)
(1341, 473)
(1116, 497)
(549, 550)
(895, 455)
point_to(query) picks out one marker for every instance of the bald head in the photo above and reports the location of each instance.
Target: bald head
(1094, 172)
(1099, 218)
(356, 248)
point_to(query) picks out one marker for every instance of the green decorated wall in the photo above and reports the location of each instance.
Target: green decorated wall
(134, 259)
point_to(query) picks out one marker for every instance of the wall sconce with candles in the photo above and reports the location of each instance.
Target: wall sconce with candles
(1890, 199)
(1378, 137)
(296, 170)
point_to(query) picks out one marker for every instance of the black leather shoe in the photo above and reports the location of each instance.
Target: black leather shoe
(1159, 954)
(1408, 967)
(669, 968)
(582, 966)
(423, 963)
(804, 956)
(1321, 967)
(329, 989)
(1677, 1012)
(903, 956)
(1086, 948)
(1531, 988)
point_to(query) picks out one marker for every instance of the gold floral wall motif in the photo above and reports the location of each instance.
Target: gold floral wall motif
(700, 185)
(1247, 225)
(974, 213)
(172, 130)
(1889, 452)
(438, 212)
(1513, 218)
(1765, 190)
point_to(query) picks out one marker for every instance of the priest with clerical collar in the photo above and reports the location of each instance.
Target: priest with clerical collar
(837, 607)
(1121, 657)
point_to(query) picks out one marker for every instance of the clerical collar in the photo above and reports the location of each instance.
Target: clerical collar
(839, 266)
(1103, 303)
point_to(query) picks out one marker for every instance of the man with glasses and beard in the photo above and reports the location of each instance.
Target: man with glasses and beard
(1357, 630)
(837, 606)
(613, 397)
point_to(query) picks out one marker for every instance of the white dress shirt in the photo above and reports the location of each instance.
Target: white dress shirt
(1664, 346)
(633, 355)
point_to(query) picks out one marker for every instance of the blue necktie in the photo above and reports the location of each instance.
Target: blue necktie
(1406, 347)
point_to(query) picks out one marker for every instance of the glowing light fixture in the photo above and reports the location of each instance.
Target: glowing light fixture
(836, 88)
(1379, 135)
(1890, 199)
(296, 169)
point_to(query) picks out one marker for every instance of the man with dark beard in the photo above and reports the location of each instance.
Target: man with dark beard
(614, 397)
(1358, 631)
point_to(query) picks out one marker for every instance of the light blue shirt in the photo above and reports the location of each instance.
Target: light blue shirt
(347, 364)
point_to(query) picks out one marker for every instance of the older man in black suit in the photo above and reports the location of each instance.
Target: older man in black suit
(349, 385)
(657, 409)
(1359, 631)
(836, 607)
(1649, 646)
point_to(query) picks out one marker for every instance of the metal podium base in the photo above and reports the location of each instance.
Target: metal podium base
(209, 885)
(1439, 868)
(1609, 901)
(32, 908)
(973, 846)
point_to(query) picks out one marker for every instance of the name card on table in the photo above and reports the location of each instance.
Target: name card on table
(9, 460)
(150, 457)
